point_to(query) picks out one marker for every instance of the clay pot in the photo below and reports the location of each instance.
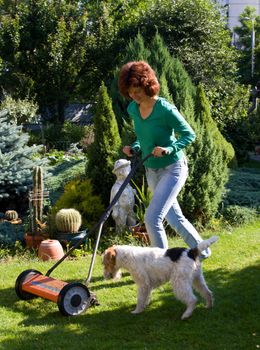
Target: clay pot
(141, 234)
(33, 241)
(50, 249)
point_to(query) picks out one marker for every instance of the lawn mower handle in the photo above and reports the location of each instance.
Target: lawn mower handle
(105, 214)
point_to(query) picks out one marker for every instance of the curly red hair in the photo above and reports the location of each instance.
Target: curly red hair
(138, 74)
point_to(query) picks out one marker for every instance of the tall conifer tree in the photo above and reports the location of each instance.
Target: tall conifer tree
(209, 165)
(136, 51)
(178, 81)
(103, 152)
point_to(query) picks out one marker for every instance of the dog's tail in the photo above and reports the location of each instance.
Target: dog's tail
(205, 244)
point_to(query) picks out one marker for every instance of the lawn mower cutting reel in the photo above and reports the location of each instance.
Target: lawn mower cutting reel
(72, 298)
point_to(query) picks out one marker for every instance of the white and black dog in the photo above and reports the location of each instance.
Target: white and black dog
(151, 267)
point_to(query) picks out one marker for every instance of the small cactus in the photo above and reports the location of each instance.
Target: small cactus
(11, 215)
(68, 220)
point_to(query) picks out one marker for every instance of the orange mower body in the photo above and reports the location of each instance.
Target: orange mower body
(72, 298)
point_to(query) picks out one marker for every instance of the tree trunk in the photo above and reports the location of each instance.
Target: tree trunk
(61, 110)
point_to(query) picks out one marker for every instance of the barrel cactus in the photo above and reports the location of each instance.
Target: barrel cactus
(68, 220)
(11, 215)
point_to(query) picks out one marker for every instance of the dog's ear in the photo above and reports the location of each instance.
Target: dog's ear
(110, 256)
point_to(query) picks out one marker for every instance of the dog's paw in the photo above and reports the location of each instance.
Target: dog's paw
(188, 312)
(209, 300)
(186, 315)
(209, 303)
(183, 318)
(137, 311)
(117, 276)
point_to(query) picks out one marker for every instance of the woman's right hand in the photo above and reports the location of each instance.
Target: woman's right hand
(128, 151)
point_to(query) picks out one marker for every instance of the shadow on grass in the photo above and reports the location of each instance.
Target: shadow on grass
(233, 323)
(110, 283)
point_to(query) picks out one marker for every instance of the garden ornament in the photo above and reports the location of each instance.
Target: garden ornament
(123, 212)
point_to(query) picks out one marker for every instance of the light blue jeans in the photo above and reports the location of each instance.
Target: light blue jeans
(165, 184)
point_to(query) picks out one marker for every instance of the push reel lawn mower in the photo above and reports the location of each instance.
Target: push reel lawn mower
(72, 298)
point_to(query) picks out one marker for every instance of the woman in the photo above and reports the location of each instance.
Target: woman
(155, 122)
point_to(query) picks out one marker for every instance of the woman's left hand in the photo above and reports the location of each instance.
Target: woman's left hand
(159, 151)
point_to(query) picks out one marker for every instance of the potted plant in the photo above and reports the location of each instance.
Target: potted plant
(13, 217)
(68, 222)
(143, 197)
(37, 228)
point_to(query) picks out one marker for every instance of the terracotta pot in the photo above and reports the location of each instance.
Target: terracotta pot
(138, 228)
(50, 249)
(33, 241)
(140, 233)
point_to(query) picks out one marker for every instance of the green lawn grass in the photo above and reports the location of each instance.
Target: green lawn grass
(232, 272)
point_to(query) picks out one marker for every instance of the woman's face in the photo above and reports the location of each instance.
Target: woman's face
(137, 94)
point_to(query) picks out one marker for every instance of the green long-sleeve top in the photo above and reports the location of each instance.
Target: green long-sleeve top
(159, 129)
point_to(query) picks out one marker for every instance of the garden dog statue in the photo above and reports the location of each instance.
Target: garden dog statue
(123, 212)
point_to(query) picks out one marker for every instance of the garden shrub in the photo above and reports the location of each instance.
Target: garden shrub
(243, 188)
(255, 126)
(61, 136)
(55, 157)
(229, 102)
(236, 215)
(19, 111)
(73, 132)
(78, 194)
(10, 233)
(62, 173)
